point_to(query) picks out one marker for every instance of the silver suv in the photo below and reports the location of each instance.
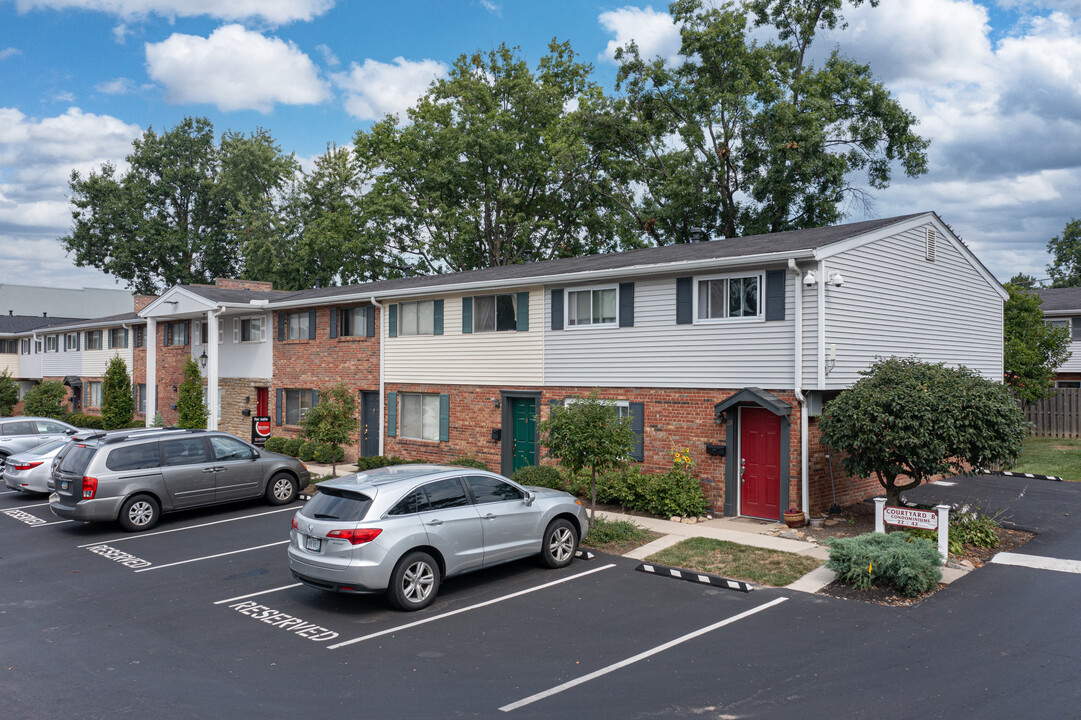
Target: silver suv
(19, 434)
(134, 477)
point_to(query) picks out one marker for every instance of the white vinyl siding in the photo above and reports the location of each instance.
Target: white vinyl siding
(656, 352)
(457, 358)
(894, 302)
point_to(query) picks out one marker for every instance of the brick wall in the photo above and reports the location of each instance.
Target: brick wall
(324, 362)
(141, 301)
(234, 284)
(170, 373)
(138, 367)
(238, 395)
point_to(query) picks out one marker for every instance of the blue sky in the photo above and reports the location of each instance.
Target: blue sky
(996, 85)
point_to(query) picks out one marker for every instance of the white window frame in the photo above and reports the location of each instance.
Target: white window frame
(495, 312)
(123, 341)
(760, 317)
(590, 289)
(93, 393)
(401, 318)
(623, 406)
(426, 398)
(53, 340)
(238, 324)
(71, 341)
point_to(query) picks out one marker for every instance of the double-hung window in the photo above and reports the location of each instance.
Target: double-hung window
(353, 321)
(416, 318)
(139, 336)
(93, 339)
(93, 394)
(419, 416)
(593, 306)
(729, 297)
(118, 338)
(252, 330)
(495, 313)
(24, 346)
(50, 343)
(71, 341)
(140, 398)
(296, 326)
(297, 403)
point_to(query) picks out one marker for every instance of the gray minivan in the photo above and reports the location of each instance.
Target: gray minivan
(133, 478)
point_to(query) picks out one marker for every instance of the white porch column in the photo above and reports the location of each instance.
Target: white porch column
(212, 372)
(151, 340)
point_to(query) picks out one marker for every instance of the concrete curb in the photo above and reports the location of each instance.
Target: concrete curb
(695, 577)
(1054, 478)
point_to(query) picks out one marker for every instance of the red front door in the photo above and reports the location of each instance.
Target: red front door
(760, 459)
(262, 401)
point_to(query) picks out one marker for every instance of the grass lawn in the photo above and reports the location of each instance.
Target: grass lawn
(1051, 456)
(616, 536)
(739, 562)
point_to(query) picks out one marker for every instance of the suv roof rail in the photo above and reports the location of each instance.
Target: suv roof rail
(89, 436)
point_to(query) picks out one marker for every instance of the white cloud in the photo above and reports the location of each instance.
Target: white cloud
(276, 12)
(9, 52)
(119, 86)
(492, 7)
(235, 69)
(37, 156)
(375, 89)
(121, 32)
(653, 31)
(328, 55)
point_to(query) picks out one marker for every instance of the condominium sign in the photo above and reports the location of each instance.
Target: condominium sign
(910, 517)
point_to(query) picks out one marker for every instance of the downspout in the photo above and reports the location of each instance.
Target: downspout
(382, 324)
(213, 362)
(805, 491)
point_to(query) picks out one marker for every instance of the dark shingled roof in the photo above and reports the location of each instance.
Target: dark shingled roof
(18, 324)
(231, 295)
(131, 317)
(731, 248)
(1057, 299)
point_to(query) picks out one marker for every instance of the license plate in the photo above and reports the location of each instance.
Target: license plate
(64, 484)
(312, 543)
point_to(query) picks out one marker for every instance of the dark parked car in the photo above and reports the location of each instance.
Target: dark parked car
(401, 530)
(134, 477)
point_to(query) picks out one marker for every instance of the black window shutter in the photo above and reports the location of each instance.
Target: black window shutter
(437, 317)
(392, 414)
(311, 324)
(281, 328)
(684, 302)
(334, 323)
(166, 332)
(278, 406)
(638, 425)
(315, 398)
(392, 320)
(444, 418)
(557, 309)
(78, 340)
(188, 333)
(1075, 328)
(369, 316)
(626, 304)
(467, 315)
(775, 294)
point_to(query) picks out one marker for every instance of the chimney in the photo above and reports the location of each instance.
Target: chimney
(699, 235)
(44, 314)
(11, 313)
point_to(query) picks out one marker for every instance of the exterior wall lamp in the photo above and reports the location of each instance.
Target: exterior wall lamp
(202, 360)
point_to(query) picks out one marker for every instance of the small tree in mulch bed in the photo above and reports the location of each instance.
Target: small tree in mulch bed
(333, 420)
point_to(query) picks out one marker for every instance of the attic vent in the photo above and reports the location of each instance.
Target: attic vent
(929, 244)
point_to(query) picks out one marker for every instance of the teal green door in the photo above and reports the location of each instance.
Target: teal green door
(524, 436)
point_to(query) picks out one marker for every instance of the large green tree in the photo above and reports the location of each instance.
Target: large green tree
(906, 421)
(9, 392)
(741, 136)
(191, 410)
(1065, 249)
(117, 401)
(181, 210)
(1034, 348)
(491, 167)
(46, 399)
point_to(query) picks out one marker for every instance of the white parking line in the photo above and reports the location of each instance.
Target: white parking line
(180, 529)
(467, 609)
(8, 492)
(254, 594)
(640, 656)
(211, 557)
(54, 522)
(24, 507)
(1037, 562)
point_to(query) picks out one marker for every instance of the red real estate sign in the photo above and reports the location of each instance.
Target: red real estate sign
(910, 517)
(260, 429)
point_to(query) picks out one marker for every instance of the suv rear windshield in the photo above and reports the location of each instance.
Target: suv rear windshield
(334, 504)
(77, 459)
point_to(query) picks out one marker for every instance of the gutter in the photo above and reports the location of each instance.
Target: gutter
(805, 490)
(382, 320)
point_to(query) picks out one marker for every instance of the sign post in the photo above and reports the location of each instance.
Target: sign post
(937, 519)
(260, 429)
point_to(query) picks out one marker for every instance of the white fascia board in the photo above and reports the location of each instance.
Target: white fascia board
(910, 224)
(1061, 313)
(560, 279)
(150, 310)
(90, 324)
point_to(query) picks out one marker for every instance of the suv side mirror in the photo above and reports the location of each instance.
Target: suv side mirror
(255, 455)
(70, 432)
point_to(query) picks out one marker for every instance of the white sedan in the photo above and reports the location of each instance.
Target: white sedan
(28, 471)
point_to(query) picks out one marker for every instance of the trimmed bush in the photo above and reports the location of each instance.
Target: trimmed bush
(307, 451)
(378, 461)
(292, 446)
(540, 476)
(90, 422)
(910, 565)
(468, 461)
(46, 399)
(274, 444)
(327, 453)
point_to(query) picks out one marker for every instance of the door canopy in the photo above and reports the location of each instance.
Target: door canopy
(752, 396)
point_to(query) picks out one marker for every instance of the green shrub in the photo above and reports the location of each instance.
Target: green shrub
(46, 399)
(468, 461)
(540, 476)
(328, 453)
(292, 446)
(664, 495)
(378, 461)
(956, 548)
(90, 422)
(973, 528)
(158, 421)
(605, 531)
(307, 451)
(274, 444)
(910, 565)
(9, 392)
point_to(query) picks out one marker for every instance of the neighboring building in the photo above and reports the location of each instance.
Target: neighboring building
(728, 349)
(32, 300)
(16, 345)
(1062, 308)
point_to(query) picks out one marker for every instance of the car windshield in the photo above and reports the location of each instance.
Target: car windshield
(77, 459)
(46, 447)
(335, 504)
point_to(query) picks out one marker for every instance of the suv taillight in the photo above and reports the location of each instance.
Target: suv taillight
(90, 487)
(295, 525)
(357, 536)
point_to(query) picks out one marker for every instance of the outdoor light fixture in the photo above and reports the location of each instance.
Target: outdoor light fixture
(810, 278)
(495, 401)
(174, 388)
(202, 360)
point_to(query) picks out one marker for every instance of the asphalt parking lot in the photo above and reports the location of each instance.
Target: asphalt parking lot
(200, 618)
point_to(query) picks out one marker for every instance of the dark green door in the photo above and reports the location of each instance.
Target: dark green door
(524, 438)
